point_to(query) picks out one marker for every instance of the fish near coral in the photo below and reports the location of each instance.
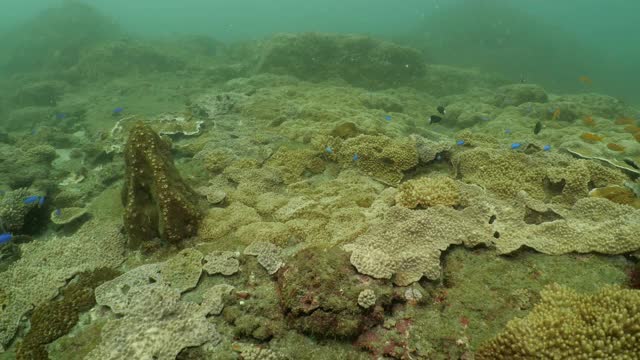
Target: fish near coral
(588, 120)
(624, 121)
(585, 80)
(615, 147)
(31, 199)
(556, 114)
(633, 129)
(591, 138)
(5, 238)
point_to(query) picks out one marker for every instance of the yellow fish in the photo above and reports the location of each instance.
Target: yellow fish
(585, 80)
(556, 115)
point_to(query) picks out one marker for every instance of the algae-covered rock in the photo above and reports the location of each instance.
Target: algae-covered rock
(67, 215)
(319, 291)
(44, 93)
(516, 94)
(158, 202)
(119, 58)
(360, 60)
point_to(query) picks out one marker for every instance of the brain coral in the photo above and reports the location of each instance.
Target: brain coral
(428, 191)
(380, 157)
(568, 325)
(407, 243)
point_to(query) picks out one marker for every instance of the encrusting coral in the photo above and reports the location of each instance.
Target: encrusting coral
(158, 202)
(407, 243)
(556, 176)
(568, 325)
(56, 318)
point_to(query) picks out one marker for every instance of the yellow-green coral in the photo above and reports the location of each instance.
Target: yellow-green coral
(428, 191)
(568, 325)
(541, 175)
(379, 156)
(294, 163)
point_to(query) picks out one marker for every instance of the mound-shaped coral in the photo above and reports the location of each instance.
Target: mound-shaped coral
(428, 191)
(568, 325)
(380, 157)
(158, 202)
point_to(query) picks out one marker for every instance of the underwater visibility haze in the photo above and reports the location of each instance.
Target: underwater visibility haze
(319, 180)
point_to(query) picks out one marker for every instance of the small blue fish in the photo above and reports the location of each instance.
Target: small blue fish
(31, 199)
(515, 146)
(328, 149)
(117, 111)
(546, 147)
(460, 142)
(61, 116)
(6, 237)
(485, 118)
(34, 131)
(387, 117)
(507, 131)
(41, 201)
(356, 157)
(58, 212)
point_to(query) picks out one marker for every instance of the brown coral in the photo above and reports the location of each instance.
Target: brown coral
(158, 202)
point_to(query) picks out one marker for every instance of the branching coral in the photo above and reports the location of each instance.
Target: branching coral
(568, 325)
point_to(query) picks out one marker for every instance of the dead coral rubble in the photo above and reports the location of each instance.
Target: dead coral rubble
(158, 202)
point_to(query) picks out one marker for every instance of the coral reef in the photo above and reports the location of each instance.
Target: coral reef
(566, 325)
(158, 202)
(380, 157)
(428, 191)
(319, 292)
